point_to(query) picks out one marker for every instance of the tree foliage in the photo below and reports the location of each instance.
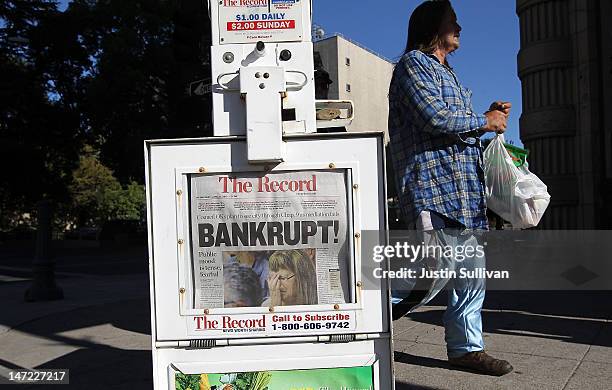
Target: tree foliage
(137, 88)
(104, 73)
(40, 136)
(97, 196)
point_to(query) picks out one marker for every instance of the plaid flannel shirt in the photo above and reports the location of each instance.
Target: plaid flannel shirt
(435, 143)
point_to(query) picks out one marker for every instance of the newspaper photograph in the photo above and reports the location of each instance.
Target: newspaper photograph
(343, 378)
(275, 239)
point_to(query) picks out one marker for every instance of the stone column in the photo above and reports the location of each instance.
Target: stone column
(606, 106)
(557, 66)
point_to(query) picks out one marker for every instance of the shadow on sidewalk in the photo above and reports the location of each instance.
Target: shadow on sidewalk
(95, 365)
(102, 367)
(421, 361)
(573, 317)
(409, 386)
(70, 257)
(130, 315)
(406, 358)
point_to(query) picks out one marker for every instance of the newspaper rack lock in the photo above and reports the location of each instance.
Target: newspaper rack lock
(262, 89)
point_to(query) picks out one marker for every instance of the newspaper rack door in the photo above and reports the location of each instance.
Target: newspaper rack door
(257, 275)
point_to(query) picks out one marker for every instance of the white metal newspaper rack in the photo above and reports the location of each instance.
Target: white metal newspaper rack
(257, 274)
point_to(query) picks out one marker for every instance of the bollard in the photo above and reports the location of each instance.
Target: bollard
(43, 286)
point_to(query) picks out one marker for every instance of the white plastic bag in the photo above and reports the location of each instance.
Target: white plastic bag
(513, 193)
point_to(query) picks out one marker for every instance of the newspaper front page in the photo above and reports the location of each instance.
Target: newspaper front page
(275, 239)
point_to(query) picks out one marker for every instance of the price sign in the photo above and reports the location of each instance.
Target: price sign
(249, 21)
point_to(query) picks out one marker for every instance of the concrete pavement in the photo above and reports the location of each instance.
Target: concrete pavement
(101, 332)
(547, 351)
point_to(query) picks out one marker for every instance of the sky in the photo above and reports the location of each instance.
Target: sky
(485, 62)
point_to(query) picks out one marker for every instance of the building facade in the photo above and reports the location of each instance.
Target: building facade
(360, 75)
(565, 67)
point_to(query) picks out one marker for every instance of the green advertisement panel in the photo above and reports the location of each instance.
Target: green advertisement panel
(354, 378)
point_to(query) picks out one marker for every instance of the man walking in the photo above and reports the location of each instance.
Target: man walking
(437, 158)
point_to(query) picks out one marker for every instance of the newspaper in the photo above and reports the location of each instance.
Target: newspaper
(275, 239)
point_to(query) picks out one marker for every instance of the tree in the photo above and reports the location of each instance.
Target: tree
(39, 136)
(191, 41)
(146, 53)
(106, 73)
(132, 92)
(97, 196)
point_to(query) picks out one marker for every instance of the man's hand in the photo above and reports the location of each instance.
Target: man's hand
(497, 122)
(501, 106)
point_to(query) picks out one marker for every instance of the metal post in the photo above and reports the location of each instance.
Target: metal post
(43, 286)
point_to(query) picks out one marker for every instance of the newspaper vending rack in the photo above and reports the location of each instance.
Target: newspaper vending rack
(259, 276)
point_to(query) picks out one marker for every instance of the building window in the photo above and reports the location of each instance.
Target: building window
(348, 87)
(348, 61)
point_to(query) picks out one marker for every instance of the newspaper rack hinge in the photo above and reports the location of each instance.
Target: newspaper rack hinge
(338, 338)
(202, 344)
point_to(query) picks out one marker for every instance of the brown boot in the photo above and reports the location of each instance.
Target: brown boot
(481, 362)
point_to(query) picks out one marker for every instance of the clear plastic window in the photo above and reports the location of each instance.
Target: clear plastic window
(271, 239)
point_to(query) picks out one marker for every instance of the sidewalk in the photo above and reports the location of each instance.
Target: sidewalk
(101, 332)
(547, 351)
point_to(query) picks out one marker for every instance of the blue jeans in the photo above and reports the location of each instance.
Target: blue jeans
(462, 319)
